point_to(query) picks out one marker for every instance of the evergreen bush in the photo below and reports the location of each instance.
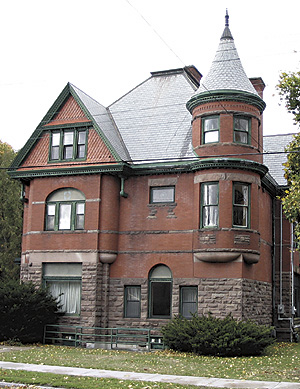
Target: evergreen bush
(24, 310)
(208, 335)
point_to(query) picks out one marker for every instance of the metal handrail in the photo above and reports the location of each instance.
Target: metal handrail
(114, 337)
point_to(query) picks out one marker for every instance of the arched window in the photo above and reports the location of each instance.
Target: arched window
(65, 210)
(160, 291)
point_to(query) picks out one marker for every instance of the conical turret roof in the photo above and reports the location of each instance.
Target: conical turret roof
(226, 73)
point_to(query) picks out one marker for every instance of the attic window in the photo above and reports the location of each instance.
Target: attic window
(68, 144)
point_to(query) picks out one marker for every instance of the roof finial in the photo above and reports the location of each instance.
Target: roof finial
(226, 19)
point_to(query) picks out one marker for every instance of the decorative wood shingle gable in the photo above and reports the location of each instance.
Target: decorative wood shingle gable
(72, 111)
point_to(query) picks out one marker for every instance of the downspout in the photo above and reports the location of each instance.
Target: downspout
(281, 306)
(23, 193)
(122, 192)
(274, 262)
(292, 280)
(280, 260)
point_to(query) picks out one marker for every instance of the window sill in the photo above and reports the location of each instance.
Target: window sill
(64, 232)
(64, 314)
(55, 161)
(166, 204)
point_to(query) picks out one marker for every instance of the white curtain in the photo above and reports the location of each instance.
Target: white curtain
(133, 294)
(67, 294)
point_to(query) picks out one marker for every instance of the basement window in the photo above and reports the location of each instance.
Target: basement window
(188, 301)
(64, 283)
(132, 306)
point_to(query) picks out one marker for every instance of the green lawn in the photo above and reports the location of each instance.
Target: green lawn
(280, 363)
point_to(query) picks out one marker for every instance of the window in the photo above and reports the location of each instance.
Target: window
(211, 126)
(68, 144)
(188, 301)
(65, 210)
(160, 292)
(132, 304)
(240, 205)
(241, 130)
(210, 204)
(162, 194)
(64, 283)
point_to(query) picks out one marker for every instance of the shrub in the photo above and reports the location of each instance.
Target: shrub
(24, 310)
(207, 335)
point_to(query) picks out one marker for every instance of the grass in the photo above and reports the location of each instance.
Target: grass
(57, 380)
(281, 362)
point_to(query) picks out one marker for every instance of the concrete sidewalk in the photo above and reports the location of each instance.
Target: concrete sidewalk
(122, 375)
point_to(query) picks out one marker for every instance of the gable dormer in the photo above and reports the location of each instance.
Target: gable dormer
(77, 135)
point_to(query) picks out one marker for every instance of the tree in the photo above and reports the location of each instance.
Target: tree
(24, 310)
(10, 216)
(291, 198)
(289, 90)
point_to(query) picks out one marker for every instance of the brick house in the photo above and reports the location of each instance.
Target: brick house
(160, 204)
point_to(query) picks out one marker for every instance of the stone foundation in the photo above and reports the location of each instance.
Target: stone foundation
(102, 298)
(244, 299)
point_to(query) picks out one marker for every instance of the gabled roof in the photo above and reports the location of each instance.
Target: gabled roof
(95, 113)
(104, 123)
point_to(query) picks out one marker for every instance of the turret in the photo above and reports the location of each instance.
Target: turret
(227, 107)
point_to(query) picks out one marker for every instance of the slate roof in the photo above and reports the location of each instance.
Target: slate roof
(104, 121)
(274, 155)
(153, 120)
(226, 72)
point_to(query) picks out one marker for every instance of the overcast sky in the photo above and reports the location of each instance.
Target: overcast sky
(107, 47)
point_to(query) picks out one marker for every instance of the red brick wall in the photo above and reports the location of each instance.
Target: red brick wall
(226, 146)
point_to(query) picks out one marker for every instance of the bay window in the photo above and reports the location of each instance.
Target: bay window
(241, 200)
(210, 129)
(210, 204)
(241, 130)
